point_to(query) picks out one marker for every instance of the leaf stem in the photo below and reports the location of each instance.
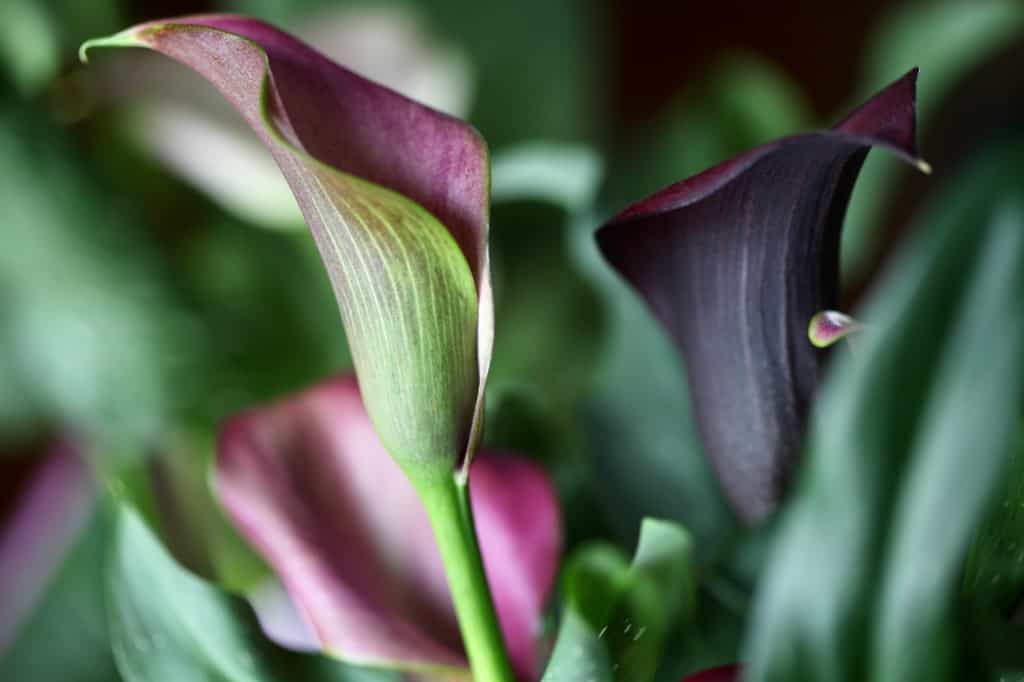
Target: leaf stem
(447, 503)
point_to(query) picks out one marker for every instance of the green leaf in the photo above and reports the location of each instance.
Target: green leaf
(97, 356)
(994, 577)
(561, 174)
(908, 444)
(946, 40)
(743, 101)
(618, 613)
(66, 638)
(167, 625)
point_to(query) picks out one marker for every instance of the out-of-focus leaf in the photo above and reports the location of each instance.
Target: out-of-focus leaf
(191, 521)
(561, 174)
(994, 577)
(167, 625)
(548, 317)
(742, 102)
(616, 614)
(29, 44)
(396, 196)
(907, 447)
(89, 333)
(66, 638)
(269, 321)
(946, 40)
(734, 262)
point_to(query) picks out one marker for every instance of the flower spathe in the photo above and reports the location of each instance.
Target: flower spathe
(309, 485)
(734, 262)
(396, 197)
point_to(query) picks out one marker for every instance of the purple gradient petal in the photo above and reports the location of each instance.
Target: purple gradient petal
(734, 262)
(42, 528)
(308, 483)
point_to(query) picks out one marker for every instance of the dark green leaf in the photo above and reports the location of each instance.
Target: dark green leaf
(994, 577)
(909, 440)
(946, 40)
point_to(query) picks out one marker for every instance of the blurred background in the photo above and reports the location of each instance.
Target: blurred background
(155, 275)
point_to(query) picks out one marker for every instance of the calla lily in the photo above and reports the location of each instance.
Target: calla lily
(735, 262)
(309, 485)
(396, 196)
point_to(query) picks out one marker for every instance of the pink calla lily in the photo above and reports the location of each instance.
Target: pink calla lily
(308, 483)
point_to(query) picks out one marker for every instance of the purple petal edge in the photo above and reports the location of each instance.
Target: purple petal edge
(734, 262)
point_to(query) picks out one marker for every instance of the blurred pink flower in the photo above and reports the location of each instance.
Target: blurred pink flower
(308, 483)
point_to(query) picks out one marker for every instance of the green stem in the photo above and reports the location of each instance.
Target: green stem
(447, 503)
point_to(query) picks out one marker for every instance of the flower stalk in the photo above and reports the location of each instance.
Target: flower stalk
(447, 503)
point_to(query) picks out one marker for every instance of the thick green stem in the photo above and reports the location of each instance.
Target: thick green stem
(447, 503)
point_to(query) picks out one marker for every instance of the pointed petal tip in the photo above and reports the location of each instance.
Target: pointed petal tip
(126, 38)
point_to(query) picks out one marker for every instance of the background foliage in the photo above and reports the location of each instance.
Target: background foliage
(140, 305)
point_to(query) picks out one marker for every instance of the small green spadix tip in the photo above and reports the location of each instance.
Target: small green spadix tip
(829, 326)
(129, 38)
(923, 166)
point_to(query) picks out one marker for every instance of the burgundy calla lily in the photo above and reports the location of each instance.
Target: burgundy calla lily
(308, 483)
(735, 262)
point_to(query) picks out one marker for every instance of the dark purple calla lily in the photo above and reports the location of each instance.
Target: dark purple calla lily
(735, 262)
(308, 483)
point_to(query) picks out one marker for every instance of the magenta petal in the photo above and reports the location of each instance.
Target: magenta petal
(734, 262)
(519, 526)
(308, 483)
(44, 524)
